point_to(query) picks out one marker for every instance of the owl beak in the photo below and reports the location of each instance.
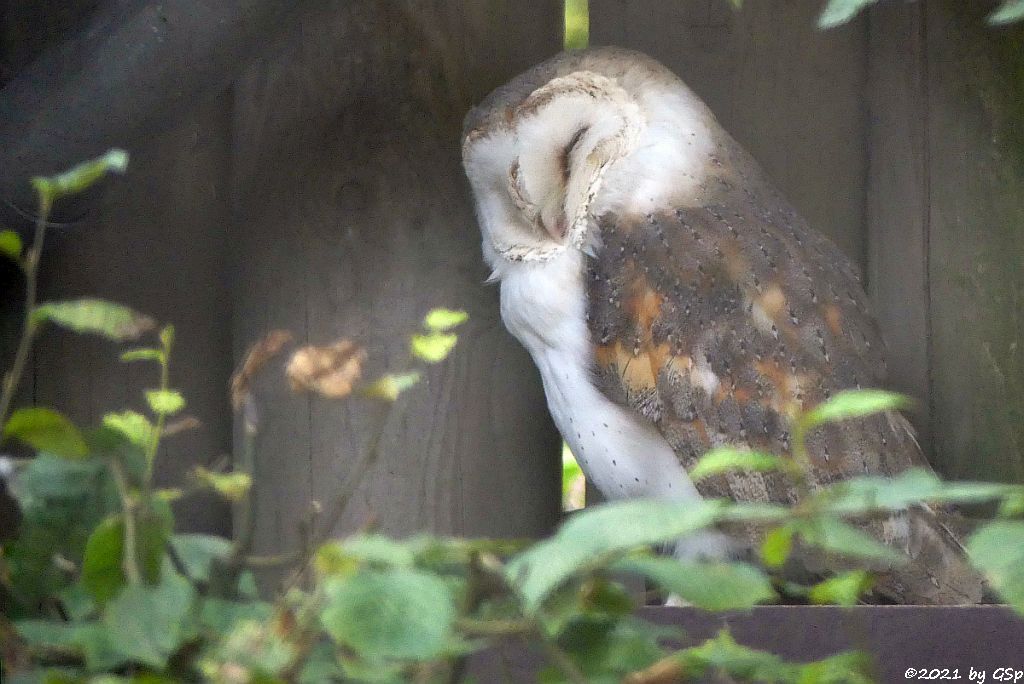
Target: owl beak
(553, 219)
(557, 228)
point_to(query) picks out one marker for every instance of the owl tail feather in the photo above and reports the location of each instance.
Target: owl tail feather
(938, 572)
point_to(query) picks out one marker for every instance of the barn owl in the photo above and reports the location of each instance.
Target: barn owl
(673, 301)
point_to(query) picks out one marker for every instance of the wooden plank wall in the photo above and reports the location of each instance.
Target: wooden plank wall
(353, 219)
(898, 136)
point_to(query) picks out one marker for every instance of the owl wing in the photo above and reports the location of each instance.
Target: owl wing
(719, 322)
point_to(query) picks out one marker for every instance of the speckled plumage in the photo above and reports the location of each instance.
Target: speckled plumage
(693, 299)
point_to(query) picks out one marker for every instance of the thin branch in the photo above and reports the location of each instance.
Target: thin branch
(130, 561)
(30, 266)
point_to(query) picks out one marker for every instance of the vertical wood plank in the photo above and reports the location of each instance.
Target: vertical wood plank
(790, 94)
(976, 243)
(354, 219)
(897, 200)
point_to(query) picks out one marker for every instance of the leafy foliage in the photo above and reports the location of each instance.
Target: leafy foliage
(102, 589)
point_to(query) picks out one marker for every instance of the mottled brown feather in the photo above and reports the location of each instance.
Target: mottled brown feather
(739, 286)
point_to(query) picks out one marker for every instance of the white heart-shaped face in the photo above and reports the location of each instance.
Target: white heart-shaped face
(534, 178)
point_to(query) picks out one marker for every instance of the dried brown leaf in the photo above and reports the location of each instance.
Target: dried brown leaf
(258, 356)
(330, 371)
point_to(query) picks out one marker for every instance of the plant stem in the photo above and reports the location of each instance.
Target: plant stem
(161, 419)
(30, 267)
(130, 561)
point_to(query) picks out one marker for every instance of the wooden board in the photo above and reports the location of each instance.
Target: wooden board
(353, 219)
(897, 201)
(975, 158)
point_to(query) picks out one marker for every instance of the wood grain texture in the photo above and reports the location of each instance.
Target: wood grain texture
(976, 243)
(790, 94)
(353, 220)
(897, 201)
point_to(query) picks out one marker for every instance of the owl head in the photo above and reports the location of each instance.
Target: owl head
(585, 132)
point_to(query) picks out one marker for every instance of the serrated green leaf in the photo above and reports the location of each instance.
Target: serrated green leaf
(705, 584)
(997, 549)
(443, 320)
(838, 12)
(1008, 12)
(836, 536)
(80, 177)
(10, 244)
(149, 623)
(95, 316)
(432, 347)
(197, 553)
(776, 547)
(46, 430)
(389, 386)
(143, 354)
(728, 459)
(397, 614)
(853, 404)
(165, 402)
(595, 535)
(233, 486)
(844, 589)
(133, 426)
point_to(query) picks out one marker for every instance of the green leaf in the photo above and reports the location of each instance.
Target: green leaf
(81, 176)
(723, 654)
(233, 486)
(1008, 12)
(344, 557)
(865, 494)
(997, 549)
(46, 430)
(756, 512)
(61, 502)
(844, 589)
(593, 536)
(443, 320)
(398, 614)
(103, 563)
(10, 244)
(95, 316)
(704, 584)
(198, 552)
(432, 347)
(149, 623)
(389, 386)
(777, 545)
(838, 12)
(853, 404)
(835, 536)
(88, 639)
(143, 354)
(165, 402)
(727, 459)
(133, 426)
